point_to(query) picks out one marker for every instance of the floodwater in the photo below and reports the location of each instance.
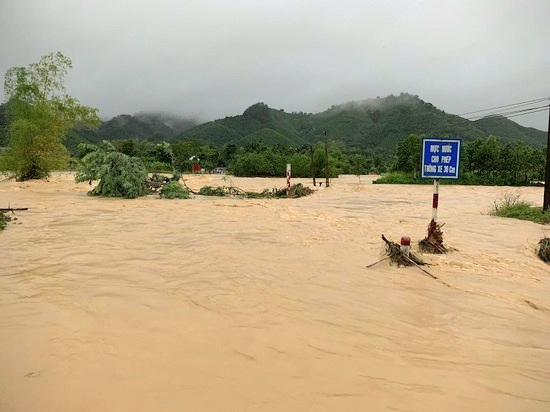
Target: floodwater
(218, 304)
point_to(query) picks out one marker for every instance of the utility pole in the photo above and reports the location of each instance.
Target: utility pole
(546, 201)
(312, 165)
(327, 184)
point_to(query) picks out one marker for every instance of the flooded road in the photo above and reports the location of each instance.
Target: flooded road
(215, 304)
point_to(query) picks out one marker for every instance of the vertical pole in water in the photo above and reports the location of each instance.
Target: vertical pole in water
(546, 200)
(432, 227)
(312, 166)
(327, 182)
(287, 178)
(435, 200)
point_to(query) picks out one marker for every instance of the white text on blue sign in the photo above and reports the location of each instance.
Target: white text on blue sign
(440, 158)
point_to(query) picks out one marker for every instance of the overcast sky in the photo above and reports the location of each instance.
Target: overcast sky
(214, 58)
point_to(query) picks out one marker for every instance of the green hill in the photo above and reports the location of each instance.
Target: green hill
(509, 130)
(375, 123)
(129, 127)
(267, 135)
(143, 126)
(378, 124)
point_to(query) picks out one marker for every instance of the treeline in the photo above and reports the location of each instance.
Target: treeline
(252, 159)
(484, 161)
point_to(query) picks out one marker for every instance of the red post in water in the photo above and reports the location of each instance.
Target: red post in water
(287, 178)
(405, 246)
(435, 201)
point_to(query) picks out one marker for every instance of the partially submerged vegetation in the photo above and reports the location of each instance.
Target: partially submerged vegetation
(296, 191)
(124, 176)
(512, 205)
(174, 190)
(39, 113)
(543, 251)
(119, 175)
(397, 256)
(433, 242)
(4, 220)
(484, 161)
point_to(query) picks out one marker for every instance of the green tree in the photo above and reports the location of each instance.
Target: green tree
(301, 164)
(3, 125)
(183, 150)
(127, 146)
(358, 165)
(119, 175)
(483, 158)
(228, 154)
(408, 155)
(40, 113)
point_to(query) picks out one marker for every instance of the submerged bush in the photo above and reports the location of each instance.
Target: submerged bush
(212, 191)
(174, 190)
(299, 190)
(512, 205)
(119, 175)
(4, 219)
(544, 249)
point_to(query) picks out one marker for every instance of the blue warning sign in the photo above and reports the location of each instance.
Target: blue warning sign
(440, 158)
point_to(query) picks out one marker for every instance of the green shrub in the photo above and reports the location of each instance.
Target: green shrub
(212, 191)
(544, 249)
(159, 167)
(511, 205)
(174, 190)
(4, 219)
(299, 190)
(399, 179)
(119, 175)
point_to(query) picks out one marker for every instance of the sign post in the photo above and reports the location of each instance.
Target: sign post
(287, 178)
(440, 160)
(435, 200)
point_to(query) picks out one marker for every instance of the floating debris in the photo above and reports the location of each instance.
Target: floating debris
(433, 243)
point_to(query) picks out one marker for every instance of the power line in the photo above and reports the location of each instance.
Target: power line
(504, 114)
(525, 103)
(498, 112)
(494, 117)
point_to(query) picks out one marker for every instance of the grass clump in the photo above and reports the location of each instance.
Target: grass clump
(512, 205)
(297, 190)
(212, 191)
(397, 178)
(174, 190)
(4, 219)
(544, 249)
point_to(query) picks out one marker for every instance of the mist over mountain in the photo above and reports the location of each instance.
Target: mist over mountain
(367, 124)
(176, 123)
(373, 124)
(143, 126)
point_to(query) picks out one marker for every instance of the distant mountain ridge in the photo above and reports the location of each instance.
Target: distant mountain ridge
(143, 126)
(378, 123)
(373, 123)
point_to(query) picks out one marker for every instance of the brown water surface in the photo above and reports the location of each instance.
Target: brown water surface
(217, 304)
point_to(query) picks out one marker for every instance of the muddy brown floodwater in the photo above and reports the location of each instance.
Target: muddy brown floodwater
(217, 304)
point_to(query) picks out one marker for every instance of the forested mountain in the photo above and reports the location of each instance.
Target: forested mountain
(374, 124)
(143, 126)
(511, 131)
(3, 125)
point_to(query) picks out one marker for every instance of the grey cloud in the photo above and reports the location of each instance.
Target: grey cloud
(212, 58)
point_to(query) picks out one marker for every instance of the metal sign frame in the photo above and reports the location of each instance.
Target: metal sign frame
(440, 158)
